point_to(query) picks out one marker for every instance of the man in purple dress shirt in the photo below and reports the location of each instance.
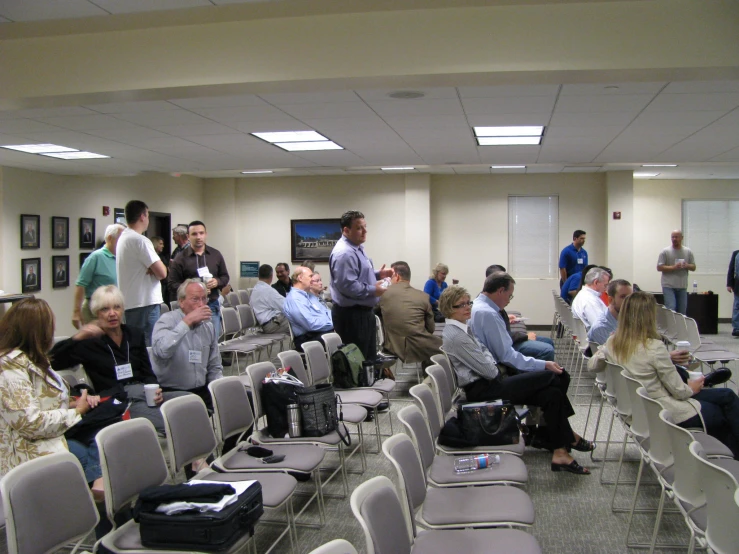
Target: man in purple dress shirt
(355, 286)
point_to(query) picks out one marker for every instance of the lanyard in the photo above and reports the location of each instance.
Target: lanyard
(197, 260)
(128, 353)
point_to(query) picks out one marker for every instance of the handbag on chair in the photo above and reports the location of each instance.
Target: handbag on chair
(320, 414)
(489, 423)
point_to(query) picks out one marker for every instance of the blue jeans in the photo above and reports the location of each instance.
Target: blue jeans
(144, 318)
(215, 318)
(676, 299)
(89, 458)
(720, 411)
(735, 313)
(542, 348)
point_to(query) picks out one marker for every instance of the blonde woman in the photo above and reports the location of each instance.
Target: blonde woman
(436, 284)
(636, 345)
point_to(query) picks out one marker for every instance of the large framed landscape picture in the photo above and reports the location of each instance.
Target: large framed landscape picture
(313, 239)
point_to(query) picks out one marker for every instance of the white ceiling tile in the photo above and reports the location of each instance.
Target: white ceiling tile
(730, 156)
(421, 106)
(508, 90)
(3, 20)
(509, 105)
(45, 112)
(243, 114)
(695, 102)
(74, 139)
(17, 139)
(702, 86)
(506, 155)
(35, 10)
(360, 124)
(87, 122)
(591, 119)
(328, 110)
(133, 6)
(544, 168)
(675, 119)
(22, 126)
(486, 120)
(607, 131)
(230, 101)
(374, 95)
(197, 129)
(163, 118)
(339, 158)
(288, 98)
(272, 125)
(471, 169)
(132, 107)
(631, 103)
(568, 155)
(611, 89)
(444, 123)
(130, 135)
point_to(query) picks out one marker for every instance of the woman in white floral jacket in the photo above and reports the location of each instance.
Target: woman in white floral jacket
(35, 409)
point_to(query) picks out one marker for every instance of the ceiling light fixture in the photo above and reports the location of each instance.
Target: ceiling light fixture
(76, 155)
(659, 165)
(509, 135)
(308, 146)
(38, 148)
(507, 167)
(643, 175)
(298, 141)
(399, 168)
(256, 172)
(508, 141)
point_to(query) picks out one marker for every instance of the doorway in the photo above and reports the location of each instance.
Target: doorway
(160, 225)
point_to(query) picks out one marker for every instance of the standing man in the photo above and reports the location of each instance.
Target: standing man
(97, 271)
(732, 285)
(204, 262)
(354, 286)
(283, 284)
(179, 236)
(139, 271)
(268, 304)
(674, 262)
(573, 257)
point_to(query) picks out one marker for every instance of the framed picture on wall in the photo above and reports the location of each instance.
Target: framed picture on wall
(119, 216)
(60, 271)
(87, 233)
(59, 232)
(31, 275)
(313, 239)
(30, 228)
(83, 257)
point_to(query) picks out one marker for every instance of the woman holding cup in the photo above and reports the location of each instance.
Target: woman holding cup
(637, 346)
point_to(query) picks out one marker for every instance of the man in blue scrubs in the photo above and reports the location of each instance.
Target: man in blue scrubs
(573, 257)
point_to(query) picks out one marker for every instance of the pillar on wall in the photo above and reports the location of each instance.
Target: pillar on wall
(220, 218)
(620, 212)
(417, 248)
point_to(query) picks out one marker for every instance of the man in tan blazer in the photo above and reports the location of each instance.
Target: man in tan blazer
(408, 319)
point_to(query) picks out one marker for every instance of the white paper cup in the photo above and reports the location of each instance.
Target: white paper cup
(682, 345)
(695, 375)
(151, 391)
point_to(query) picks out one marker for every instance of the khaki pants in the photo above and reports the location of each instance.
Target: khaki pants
(87, 316)
(279, 326)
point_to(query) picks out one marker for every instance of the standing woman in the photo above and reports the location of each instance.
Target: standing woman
(35, 408)
(435, 286)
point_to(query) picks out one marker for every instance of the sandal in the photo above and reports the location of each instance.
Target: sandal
(583, 445)
(572, 467)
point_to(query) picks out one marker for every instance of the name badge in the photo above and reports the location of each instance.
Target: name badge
(580, 261)
(123, 371)
(195, 356)
(204, 273)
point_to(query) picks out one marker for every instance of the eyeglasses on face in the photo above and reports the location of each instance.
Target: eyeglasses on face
(462, 305)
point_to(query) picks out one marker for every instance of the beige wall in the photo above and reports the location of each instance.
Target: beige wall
(28, 192)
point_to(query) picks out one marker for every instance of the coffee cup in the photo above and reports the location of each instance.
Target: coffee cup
(151, 391)
(695, 375)
(679, 262)
(682, 345)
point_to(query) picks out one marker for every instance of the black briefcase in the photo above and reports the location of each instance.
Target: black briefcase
(204, 531)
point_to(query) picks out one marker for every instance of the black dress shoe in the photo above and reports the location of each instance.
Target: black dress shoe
(735, 333)
(717, 377)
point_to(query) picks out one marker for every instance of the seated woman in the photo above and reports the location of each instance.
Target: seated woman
(479, 376)
(114, 356)
(35, 407)
(637, 346)
(435, 286)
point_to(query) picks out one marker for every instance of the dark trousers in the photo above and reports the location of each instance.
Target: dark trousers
(307, 337)
(534, 388)
(720, 411)
(356, 325)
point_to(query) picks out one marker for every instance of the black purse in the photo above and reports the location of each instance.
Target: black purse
(320, 413)
(275, 397)
(489, 424)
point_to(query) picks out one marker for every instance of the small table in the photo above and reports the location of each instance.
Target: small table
(701, 307)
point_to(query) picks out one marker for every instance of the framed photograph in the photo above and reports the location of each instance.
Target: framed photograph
(313, 239)
(30, 228)
(87, 233)
(60, 232)
(83, 257)
(31, 275)
(60, 271)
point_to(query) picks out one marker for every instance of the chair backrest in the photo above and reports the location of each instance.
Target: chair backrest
(332, 342)
(451, 377)
(441, 385)
(720, 487)
(424, 397)
(74, 375)
(686, 485)
(231, 322)
(639, 422)
(246, 315)
(380, 513)
(315, 358)
(231, 409)
(580, 333)
(617, 386)
(174, 305)
(244, 296)
(691, 330)
(293, 359)
(411, 480)
(131, 460)
(418, 430)
(190, 434)
(47, 504)
(257, 372)
(336, 546)
(234, 299)
(163, 308)
(660, 448)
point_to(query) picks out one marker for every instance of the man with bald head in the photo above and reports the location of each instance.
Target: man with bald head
(308, 317)
(674, 262)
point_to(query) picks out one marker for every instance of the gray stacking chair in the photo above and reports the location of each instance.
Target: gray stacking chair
(190, 437)
(244, 296)
(174, 305)
(453, 508)
(336, 546)
(333, 341)
(234, 299)
(250, 327)
(722, 511)
(443, 393)
(234, 344)
(126, 472)
(163, 308)
(389, 529)
(443, 361)
(47, 505)
(439, 470)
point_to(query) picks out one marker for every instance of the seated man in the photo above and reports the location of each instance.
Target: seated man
(268, 304)
(185, 355)
(525, 342)
(587, 305)
(408, 319)
(308, 317)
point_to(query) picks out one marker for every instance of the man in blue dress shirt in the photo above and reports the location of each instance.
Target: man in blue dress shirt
(308, 317)
(355, 286)
(573, 257)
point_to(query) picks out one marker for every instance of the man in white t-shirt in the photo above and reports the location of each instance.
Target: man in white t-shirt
(139, 270)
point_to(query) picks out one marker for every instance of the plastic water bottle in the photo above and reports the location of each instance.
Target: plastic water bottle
(473, 463)
(695, 287)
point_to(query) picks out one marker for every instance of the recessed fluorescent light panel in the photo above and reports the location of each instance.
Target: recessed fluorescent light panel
(508, 141)
(38, 148)
(256, 172)
(509, 136)
(74, 155)
(307, 146)
(299, 141)
(659, 165)
(643, 175)
(507, 167)
(399, 168)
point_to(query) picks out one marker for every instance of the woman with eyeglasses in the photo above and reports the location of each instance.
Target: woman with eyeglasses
(479, 376)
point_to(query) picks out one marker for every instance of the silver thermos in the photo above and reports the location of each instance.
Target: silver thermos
(369, 372)
(293, 420)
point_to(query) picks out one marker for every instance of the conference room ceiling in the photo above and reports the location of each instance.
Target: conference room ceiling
(588, 127)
